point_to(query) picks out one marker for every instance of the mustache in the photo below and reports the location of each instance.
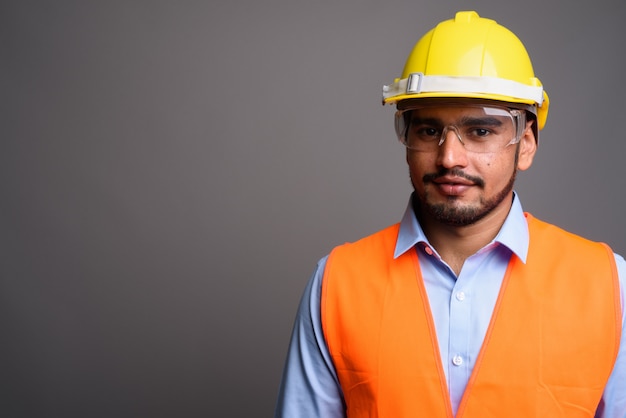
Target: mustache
(456, 172)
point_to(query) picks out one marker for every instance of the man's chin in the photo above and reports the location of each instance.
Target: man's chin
(455, 215)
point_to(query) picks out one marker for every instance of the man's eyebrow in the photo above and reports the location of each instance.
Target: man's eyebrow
(480, 120)
(464, 121)
(426, 121)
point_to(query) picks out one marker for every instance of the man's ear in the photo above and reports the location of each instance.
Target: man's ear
(527, 147)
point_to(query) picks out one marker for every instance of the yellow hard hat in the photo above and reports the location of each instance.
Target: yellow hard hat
(470, 57)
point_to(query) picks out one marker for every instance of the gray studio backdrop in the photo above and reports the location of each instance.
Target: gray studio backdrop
(170, 172)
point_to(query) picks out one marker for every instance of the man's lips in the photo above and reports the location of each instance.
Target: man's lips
(452, 185)
(453, 182)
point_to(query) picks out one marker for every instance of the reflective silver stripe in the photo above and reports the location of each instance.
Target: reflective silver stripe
(420, 83)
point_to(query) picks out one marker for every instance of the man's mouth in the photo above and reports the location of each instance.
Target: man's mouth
(453, 182)
(452, 185)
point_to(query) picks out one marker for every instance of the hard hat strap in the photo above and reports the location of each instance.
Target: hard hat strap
(419, 83)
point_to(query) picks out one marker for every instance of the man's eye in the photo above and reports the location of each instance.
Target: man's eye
(480, 132)
(428, 132)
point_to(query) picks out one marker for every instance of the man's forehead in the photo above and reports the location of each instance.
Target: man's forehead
(445, 111)
(457, 112)
(451, 102)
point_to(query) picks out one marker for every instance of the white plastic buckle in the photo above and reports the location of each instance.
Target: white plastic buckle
(414, 83)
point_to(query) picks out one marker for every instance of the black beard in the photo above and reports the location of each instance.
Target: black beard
(457, 217)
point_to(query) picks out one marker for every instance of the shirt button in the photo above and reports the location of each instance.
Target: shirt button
(428, 250)
(460, 296)
(457, 360)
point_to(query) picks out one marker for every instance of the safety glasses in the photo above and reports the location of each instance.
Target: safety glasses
(480, 128)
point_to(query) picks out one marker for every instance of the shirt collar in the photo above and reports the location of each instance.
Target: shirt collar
(513, 234)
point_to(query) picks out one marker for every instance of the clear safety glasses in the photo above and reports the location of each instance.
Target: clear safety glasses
(479, 128)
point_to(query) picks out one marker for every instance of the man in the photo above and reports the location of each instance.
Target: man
(468, 307)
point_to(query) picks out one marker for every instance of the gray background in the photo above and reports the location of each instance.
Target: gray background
(170, 172)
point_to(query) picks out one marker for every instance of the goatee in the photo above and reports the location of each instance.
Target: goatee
(452, 214)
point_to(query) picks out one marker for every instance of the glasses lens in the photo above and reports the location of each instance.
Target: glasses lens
(479, 128)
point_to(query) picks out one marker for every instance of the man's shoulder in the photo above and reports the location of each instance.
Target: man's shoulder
(539, 228)
(551, 241)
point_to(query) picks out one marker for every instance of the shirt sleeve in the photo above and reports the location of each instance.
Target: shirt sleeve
(309, 386)
(613, 402)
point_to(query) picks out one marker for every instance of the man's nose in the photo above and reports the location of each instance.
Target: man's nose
(451, 152)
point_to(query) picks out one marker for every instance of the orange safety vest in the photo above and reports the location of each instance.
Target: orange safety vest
(548, 351)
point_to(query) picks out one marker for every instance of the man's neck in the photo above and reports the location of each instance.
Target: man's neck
(456, 243)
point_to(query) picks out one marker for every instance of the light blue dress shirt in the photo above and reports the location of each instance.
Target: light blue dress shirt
(461, 308)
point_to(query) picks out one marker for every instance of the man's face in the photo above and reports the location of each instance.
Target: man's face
(457, 187)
